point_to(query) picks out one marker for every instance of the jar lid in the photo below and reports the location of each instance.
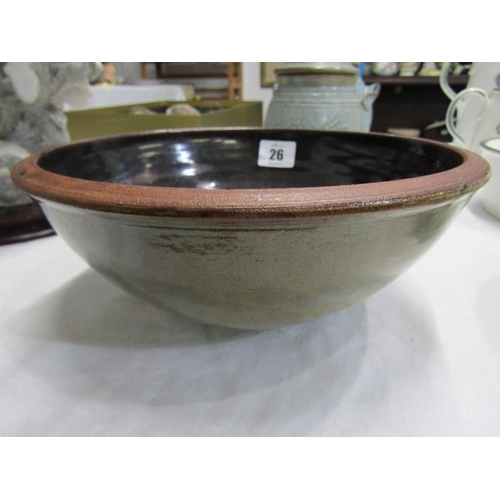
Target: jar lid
(305, 68)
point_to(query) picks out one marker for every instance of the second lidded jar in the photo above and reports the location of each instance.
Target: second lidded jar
(328, 96)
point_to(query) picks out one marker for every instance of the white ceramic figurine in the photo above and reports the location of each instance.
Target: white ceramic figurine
(32, 95)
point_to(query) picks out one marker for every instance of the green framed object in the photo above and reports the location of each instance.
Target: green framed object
(120, 119)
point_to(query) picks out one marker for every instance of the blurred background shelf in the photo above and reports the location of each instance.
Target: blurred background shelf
(460, 80)
(415, 102)
(212, 80)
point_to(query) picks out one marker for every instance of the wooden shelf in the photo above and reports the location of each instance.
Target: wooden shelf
(411, 102)
(415, 80)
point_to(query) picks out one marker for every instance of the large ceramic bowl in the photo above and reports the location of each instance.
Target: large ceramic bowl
(191, 222)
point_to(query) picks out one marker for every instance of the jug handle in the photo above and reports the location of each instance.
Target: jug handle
(371, 93)
(443, 81)
(453, 106)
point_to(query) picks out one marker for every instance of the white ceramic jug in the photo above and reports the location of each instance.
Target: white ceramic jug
(482, 75)
(485, 124)
(490, 150)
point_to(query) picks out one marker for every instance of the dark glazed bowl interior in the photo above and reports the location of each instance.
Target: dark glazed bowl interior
(227, 159)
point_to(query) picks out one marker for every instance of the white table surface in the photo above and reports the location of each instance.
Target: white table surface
(121, 95)
(78, 356)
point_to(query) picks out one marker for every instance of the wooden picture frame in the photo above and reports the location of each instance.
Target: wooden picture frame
(267, 76)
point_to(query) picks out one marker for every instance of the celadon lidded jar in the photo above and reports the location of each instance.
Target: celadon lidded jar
(328, 96)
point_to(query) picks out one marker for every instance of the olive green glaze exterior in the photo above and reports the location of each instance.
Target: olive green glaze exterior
(252, 257)
(253, 274)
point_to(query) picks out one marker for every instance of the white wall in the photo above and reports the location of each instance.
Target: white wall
(252, 91)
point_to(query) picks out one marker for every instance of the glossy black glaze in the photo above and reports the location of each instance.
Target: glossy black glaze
(227, 159)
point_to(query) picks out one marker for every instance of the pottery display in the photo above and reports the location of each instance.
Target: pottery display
(327, 96)
(252, 228)
(409, 68)
(429, 69)
(385, 68)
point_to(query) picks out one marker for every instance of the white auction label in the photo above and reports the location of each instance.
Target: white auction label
(278, 154)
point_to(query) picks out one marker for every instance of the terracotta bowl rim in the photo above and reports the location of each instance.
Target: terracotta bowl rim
(471, 174)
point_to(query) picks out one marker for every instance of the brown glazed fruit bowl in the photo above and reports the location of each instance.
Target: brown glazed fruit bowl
(188, 220)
